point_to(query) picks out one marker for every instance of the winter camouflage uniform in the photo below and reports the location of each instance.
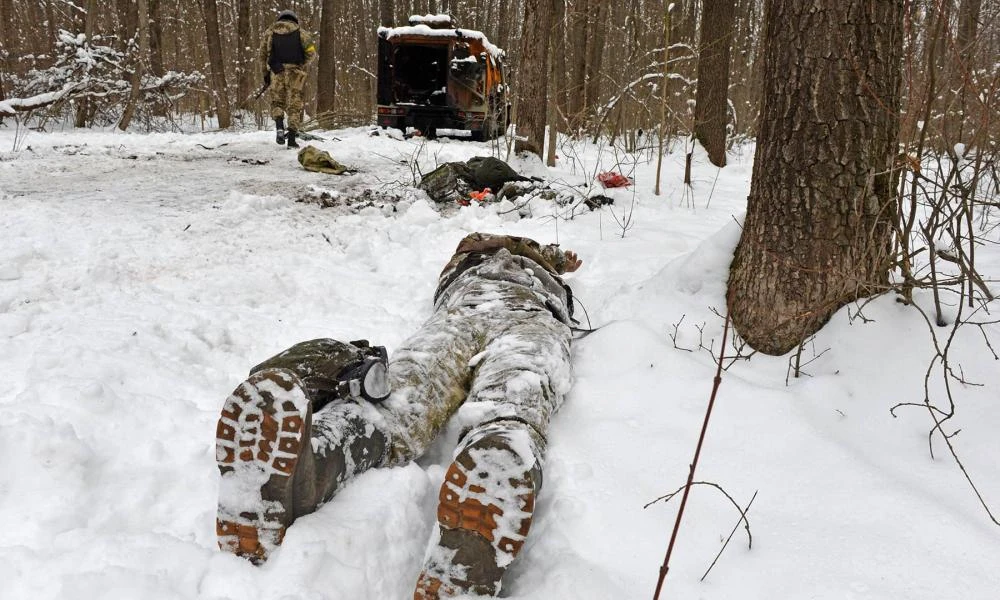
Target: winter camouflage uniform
(495, 355)
(285, 58)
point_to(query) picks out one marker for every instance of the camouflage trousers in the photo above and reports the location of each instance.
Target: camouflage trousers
(485, 369)
(286, 95)
(497, 371)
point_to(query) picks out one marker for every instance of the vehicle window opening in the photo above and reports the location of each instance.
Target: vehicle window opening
(421, 74)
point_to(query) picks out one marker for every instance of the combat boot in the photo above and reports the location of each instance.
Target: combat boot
(279, 461)
(484, 513)
(279, 128)
(261, 434)
(291, 139)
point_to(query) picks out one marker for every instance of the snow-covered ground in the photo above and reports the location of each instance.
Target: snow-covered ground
(141, 276)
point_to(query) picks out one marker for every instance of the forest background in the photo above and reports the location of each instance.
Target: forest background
(604, 62)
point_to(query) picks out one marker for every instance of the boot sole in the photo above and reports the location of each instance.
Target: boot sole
(258, 440)
(470, 518)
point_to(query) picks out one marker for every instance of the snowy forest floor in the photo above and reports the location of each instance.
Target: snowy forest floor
(141, 276)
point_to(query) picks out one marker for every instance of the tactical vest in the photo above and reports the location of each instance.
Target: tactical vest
(286, 49)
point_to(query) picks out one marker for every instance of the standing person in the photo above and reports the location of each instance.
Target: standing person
(495, 354)
(285, 53)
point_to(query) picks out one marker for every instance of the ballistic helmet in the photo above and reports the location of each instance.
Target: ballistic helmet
(288, 15)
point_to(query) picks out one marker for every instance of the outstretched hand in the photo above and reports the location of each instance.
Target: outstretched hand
(573, 262)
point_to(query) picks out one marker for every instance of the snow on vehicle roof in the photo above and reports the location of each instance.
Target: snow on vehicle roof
(429, 19)
(424, 30)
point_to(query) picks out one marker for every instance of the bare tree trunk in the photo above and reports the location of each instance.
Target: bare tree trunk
(211, 13)
(7, 31)
(128, 22)
(83, 106)
(577, 88)
(142, 22)
(156, 38)
(818, 221)
(326, 80)
(385, 13)
(596, 37)
(7, 24)
(664, 97)
(711, 101)
(245, 50)
(533, 76)
(557, 70)
(561, 81)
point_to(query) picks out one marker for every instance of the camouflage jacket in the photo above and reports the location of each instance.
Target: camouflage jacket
(537, 283)
(284, 28)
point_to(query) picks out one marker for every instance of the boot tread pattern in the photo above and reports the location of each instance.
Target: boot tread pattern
(259, 432)
(487, 492)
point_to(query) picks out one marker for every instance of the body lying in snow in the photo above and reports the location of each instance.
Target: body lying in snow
(494, 354)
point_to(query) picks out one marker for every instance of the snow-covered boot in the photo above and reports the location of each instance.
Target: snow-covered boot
(484, 513)
(291, 435)
(291, 139)
(279, 128)
(261, 434)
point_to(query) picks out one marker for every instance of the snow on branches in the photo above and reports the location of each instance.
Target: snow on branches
(90, 69)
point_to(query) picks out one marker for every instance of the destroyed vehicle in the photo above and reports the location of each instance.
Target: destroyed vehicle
(441, 80)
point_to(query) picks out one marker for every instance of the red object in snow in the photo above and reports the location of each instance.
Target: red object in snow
(481, 197)
(612, 179)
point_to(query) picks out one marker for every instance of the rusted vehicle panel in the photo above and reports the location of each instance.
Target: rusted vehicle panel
(439, 79)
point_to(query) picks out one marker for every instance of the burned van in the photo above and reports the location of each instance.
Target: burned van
(440, 80)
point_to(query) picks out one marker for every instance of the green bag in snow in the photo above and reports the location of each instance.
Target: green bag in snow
(314, 159)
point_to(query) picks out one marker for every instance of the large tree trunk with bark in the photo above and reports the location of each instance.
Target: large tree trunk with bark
(818, 224)
(326, 80)
(712, 98)
(532, 76)
(211, 11)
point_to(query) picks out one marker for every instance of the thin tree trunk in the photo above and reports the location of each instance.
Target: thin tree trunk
(156, 38)
(664, 96)
(83, 106)
(596, 37)
(142, 22)
(326, 80)
(557, 70)
(711, 101)
(244, 52)
(385, 17)
(577, 88)
(533, 76)
(211, 12)
(818, 223)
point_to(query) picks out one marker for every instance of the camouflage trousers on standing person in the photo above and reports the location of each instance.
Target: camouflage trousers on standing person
(493, 359)
(286, 95)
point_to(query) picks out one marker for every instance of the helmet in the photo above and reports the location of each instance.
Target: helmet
(288, 15)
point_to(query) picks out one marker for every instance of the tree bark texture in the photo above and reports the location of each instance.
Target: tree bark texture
(142, 23)
(533, 74)
(596, 39)
(245, 53)
(211, 11)
(385, 13)
(578, 19)
(326, 80)
(712, 97)
(818, 226)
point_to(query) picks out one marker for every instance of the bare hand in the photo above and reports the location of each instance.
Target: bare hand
(573, 262)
